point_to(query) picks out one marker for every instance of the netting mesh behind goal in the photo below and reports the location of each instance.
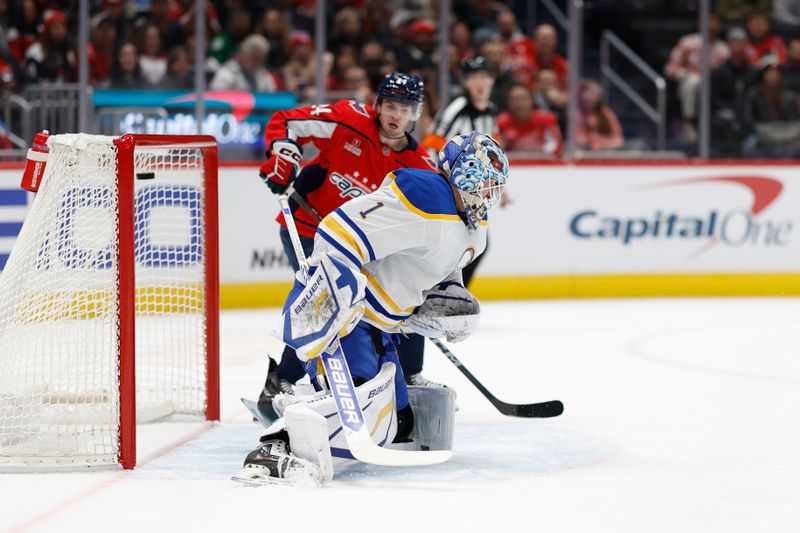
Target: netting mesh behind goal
(59, 327)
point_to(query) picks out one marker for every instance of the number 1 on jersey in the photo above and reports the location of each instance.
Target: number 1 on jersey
(364, 214)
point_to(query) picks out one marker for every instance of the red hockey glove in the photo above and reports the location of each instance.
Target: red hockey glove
(282, 165)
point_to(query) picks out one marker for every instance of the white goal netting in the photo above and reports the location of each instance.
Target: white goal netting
(59, 303)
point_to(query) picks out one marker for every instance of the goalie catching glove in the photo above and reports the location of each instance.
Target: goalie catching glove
(330, 303)
(284, 160)
(449, 311)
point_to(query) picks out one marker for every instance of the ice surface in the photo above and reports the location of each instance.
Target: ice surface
(680, 416)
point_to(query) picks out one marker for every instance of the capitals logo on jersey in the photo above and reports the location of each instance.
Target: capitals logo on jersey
(353, 146)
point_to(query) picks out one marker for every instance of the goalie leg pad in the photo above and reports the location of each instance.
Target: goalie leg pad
(308, 433)
(330, 303)
(434, 417)
(377, 401)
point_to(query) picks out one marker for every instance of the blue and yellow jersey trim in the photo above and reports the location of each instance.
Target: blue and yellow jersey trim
(338, 230)
(344, 235)
(425, 193)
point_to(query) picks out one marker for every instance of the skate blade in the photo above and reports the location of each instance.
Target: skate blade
(255, 476)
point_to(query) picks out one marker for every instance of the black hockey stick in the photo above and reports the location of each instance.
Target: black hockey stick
(523, 410)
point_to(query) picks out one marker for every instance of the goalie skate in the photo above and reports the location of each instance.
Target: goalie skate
(273, 464)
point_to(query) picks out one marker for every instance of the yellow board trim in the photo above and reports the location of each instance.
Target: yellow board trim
(414, 209)
(337, 228)
(567, 286)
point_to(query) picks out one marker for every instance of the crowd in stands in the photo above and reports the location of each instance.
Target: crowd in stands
(755, 80)
(264, 45)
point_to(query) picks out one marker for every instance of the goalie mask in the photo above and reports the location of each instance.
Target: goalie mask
(478, 168)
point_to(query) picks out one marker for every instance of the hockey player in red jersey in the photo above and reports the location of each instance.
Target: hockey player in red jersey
(358, 145)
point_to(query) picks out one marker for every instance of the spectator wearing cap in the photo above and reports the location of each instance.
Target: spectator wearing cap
(546, 40)
(52, 58)
(126, 72)
(762, 42)
(246, 70)
(683, 67)
(24, 30)
(300, 72)
(729, 82)
(520, 51)
(101, 48)
(598, 126)
(224, 45)
(275, 28)
(524, 128)
(423, 44)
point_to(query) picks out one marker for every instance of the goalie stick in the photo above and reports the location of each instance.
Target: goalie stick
(525, 410)
(338, 373)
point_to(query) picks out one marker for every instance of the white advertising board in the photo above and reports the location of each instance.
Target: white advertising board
(594, 219)
(563, 220)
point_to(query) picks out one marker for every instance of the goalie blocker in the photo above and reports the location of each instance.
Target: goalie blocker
(329, 303)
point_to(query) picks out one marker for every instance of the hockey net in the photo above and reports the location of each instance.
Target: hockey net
(121, 238)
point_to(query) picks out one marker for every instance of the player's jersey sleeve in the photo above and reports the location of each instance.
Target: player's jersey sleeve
(315, 124)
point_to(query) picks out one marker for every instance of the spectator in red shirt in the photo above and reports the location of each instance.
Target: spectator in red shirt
(52, 57)
(520, 50)
(761, 42)
(546, 40)
(598, 126)
(523, 128)
(101, 48)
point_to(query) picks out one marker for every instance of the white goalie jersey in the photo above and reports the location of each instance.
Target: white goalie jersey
(405, 237)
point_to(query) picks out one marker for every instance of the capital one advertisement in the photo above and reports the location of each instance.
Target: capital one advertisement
(562, 220)
(647, 219)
